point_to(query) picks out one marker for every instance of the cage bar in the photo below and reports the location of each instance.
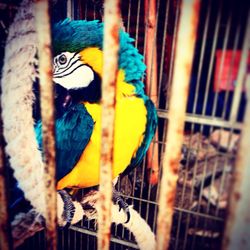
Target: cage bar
(151, 20)
(216, 32)
(182, 69)
(240, 76)
(173, 51)
(70, 9)
(137, 22)
(163, 48)
(110, 68)
(47, 113)
(237, 234)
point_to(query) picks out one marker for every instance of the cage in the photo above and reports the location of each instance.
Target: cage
(213, 151)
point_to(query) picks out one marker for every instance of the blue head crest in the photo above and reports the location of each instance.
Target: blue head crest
(74, 36)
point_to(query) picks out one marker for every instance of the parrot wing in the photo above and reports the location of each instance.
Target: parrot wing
(149, 133)
(73, 132)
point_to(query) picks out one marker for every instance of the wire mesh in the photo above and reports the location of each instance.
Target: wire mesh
(214, 118)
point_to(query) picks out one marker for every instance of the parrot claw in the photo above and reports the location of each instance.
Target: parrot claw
(69, 208)
(117, 199)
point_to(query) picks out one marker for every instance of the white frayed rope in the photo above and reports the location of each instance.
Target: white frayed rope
(19, 72)
(26, 225)
(144, 237)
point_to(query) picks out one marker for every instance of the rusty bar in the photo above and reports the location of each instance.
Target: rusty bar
(237, 234)
(182, 69)
(151, 20)
(4, 222)
(197, 87)
(110, 60)
(47, 112)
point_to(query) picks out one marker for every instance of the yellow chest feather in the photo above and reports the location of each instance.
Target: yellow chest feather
(130, 123)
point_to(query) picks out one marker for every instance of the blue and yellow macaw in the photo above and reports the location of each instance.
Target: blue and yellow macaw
(77, 74)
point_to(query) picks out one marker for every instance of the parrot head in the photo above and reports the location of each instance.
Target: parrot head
(78, 60)
(75, 78)
(71, 72)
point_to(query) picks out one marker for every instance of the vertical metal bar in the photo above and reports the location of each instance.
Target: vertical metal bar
(151, 20)
(240, 76)
(151, 47)
(163, 48)
(94, 11)
(47, 112)
(224, 48)
(166, 23)
(237, 234)
(238, 88)
(86, 10)
(137, 23)
(173, 46)
(110, 67)
(201, 59)
(177, 10)
(79, 10)
(204, 42)
(182, 69)
(195, 170)
(4, 223)
(70, 9)
(232, 65)
(229, 79)
(129, 16)
(216, 162)
(212, 56)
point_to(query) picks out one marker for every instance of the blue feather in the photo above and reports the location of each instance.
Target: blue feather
(74, 36)
(73, 131)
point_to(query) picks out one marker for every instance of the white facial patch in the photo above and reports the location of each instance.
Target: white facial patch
(70, 72)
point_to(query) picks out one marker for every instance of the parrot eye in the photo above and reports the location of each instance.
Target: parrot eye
(62, 59)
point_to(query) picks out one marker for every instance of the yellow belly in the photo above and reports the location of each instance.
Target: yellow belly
(130, 126)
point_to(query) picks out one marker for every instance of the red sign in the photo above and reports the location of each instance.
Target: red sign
(226, 73)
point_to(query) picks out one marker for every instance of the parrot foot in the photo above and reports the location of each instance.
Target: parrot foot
(117, 199)
(89, 204)
(69, 208)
